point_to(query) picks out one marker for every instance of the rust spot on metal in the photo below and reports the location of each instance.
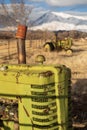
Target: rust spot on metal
(60, 68)
(47, 110)
(46, 74)
(17, 76)
(60, 89)
(5, 74)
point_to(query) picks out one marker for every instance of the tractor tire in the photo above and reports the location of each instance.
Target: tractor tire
(69, 52)
(49, 47)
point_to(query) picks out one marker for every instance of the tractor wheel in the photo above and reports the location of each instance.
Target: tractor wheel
(48, 47)
(69, 52)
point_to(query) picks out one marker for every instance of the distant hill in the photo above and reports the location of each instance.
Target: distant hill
(47, 20)
(61, 21)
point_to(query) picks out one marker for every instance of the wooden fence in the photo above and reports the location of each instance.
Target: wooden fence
(8, 49)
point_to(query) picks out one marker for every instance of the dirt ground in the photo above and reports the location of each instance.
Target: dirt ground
(77, 62)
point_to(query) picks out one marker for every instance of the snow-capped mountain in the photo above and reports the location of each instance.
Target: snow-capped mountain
(47, 20)
(61, 21)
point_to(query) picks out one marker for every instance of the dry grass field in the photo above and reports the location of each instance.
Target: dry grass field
(77, 62)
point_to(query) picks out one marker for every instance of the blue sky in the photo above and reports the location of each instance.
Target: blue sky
(57, 5)
(60, 5)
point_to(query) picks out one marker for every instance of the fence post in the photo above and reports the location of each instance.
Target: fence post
(21, 35)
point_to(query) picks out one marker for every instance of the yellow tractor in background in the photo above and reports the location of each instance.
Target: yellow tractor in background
(59, 45)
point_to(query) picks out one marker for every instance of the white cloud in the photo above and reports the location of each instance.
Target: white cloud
(65, 2)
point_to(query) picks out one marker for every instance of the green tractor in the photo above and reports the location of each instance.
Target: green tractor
(59, 45)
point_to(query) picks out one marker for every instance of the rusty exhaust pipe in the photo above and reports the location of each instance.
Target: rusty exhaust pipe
(21, 35)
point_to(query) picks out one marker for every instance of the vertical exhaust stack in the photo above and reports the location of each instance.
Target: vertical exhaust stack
(21, 35)
(56, 36)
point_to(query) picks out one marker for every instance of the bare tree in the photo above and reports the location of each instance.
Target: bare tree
(18, 11)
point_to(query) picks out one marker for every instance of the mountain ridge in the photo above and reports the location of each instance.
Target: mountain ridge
(50, 20)
(63, 19)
